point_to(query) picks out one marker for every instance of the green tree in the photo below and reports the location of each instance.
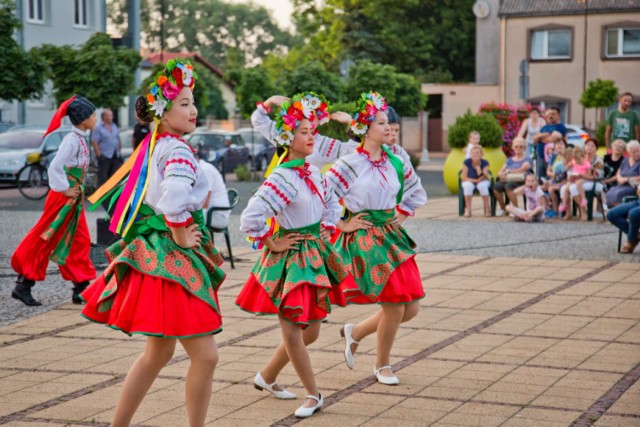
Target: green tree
(96, 70)
(485, 123)
(312, 76)
(424, 38)
(254, 85)
(599, 93)
(23, 73)
(402, 91)
(229, 34)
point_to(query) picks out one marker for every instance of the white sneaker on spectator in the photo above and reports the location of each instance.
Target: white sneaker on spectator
(499, 212)
(597, 214)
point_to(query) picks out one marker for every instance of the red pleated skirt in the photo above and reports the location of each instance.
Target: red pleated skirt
(403, 287)
(152, 306)
(302, 305)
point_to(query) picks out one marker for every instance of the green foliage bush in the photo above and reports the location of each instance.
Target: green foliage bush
(242, 173)
(488, 127)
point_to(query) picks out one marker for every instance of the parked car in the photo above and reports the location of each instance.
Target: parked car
(16, 145)
(260, 149)
(5, 126)
(576, 135)
(225, 150)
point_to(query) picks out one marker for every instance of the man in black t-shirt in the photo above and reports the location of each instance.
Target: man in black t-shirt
(140, 131)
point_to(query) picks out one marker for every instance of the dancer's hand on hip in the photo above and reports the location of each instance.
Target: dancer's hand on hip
(355, 223)
(72, 192)
(186, 237)
(283, 243)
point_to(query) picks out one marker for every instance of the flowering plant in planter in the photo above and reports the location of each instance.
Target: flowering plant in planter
(509, 117)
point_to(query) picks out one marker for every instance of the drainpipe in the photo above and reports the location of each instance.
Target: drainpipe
(134, 38)
(584, 58)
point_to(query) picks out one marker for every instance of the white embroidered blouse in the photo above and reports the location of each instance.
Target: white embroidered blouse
(363, 184)
(73, 152)
(177, 184)
(292, 200)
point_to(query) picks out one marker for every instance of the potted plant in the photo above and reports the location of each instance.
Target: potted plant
(458, 137)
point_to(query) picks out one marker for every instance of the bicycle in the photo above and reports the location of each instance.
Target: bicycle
(32, 179)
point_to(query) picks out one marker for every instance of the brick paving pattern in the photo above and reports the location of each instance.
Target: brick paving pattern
(498, 341)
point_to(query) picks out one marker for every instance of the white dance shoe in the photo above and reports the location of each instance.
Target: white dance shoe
(303, 412)
(260, 384)
(345, 332)
(382, 379)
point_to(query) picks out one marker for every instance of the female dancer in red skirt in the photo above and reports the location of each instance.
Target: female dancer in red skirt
(380, 190)
(298, 269)
(163, 277)
(61, 234)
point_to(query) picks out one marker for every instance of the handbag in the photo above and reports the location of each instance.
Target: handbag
(513, 177)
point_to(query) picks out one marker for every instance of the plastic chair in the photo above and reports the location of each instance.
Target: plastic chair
(492, 197)
(620, 233)
(233, 201)
(590, 196)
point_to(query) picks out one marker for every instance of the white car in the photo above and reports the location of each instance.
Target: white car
(576, 135)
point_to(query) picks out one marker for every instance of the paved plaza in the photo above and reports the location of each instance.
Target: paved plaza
(516, 330)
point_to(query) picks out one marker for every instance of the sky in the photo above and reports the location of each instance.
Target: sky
(280, 10)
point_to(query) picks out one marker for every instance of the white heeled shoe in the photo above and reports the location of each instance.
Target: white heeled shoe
(346, 332)
(303, 412)
(382, 379)
(260, 384)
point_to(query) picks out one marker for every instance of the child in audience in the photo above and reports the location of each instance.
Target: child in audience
(474, 141)
(535, 201)
(576, 169)
(557, 173)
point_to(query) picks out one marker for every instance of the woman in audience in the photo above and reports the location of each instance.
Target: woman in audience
(578, 170)
(475, 176)
(511, 176)
(627, 177)
(531, 127)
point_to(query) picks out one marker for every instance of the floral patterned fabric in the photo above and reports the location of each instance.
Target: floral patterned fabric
(282, 276)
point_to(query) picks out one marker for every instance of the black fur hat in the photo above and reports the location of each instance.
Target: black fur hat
(80, 109)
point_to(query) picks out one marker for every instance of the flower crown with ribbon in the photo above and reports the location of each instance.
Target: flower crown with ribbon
(306, 105)
(167, 84)
(366, 109)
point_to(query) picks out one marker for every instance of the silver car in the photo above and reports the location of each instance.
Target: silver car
(17, 144)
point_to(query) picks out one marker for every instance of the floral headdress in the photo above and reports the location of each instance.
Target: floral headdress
(366, 109)
(306, 105)
(167, 84)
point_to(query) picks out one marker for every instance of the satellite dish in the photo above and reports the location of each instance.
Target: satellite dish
(345, 66)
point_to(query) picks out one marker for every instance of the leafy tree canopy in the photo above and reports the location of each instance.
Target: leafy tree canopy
(312, 76)
(23, 73)
(425, 38)
(254, 85)
(599, 93)
(229, 34)
(98, 71)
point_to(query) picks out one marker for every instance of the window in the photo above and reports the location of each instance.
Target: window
(80, 16)
(36, 11)
(622, 42)
(551, 44)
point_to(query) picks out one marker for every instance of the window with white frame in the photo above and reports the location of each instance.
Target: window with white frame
(35, 11)
(622, 42)
(551, 44)
(80, 13)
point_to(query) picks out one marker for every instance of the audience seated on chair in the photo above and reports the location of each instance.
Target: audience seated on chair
(557, 173)
(475, 175)
(511, 176)
(612, 163)
(628, 176)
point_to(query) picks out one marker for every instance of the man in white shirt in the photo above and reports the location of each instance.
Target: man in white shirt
(217, 195)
